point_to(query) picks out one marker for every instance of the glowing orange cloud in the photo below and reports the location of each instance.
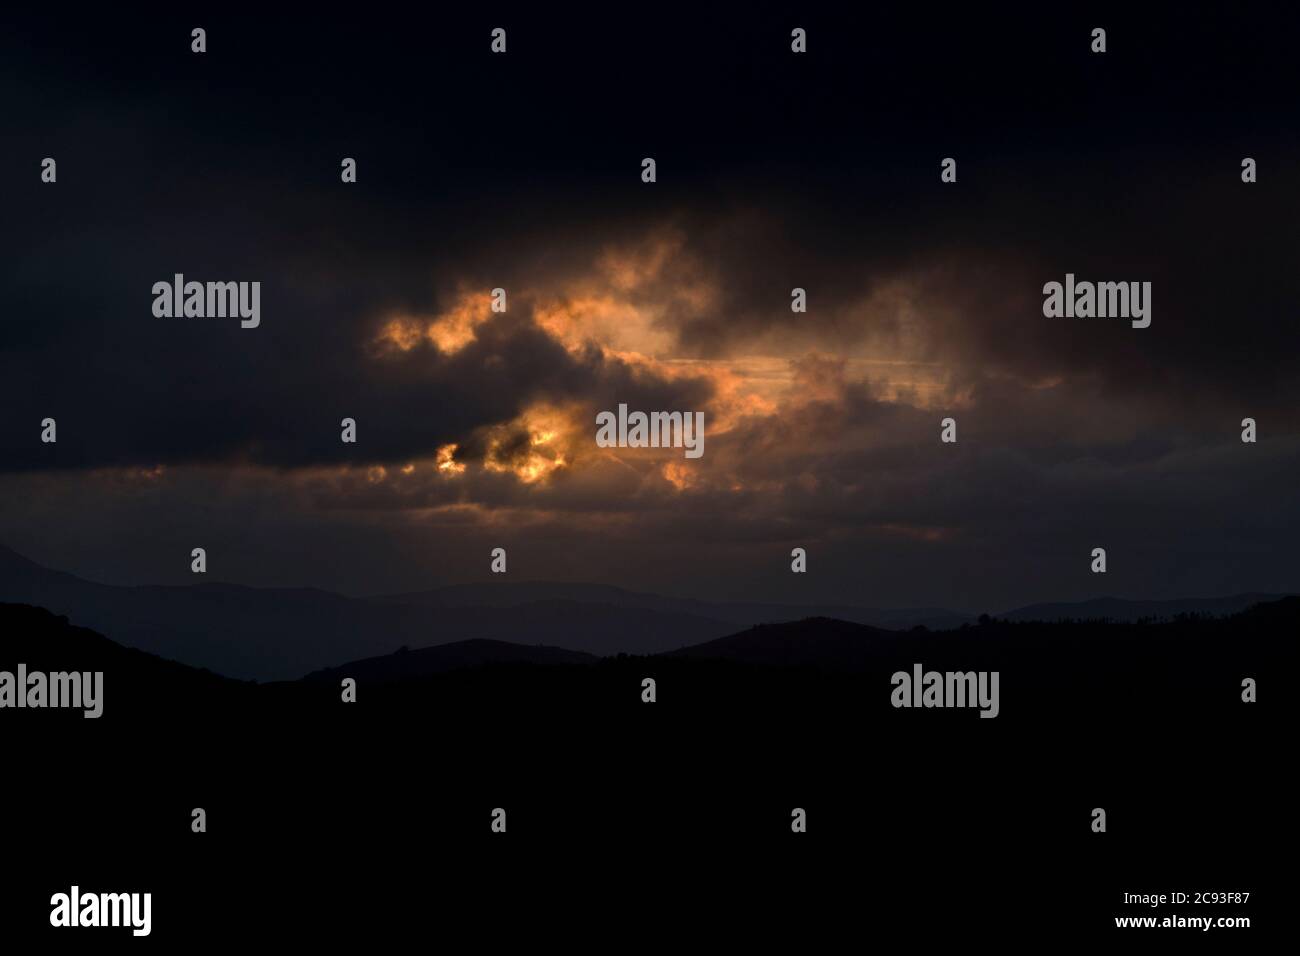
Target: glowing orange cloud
(450, 332)
(630, 306)
(446, 460)
(535, 445)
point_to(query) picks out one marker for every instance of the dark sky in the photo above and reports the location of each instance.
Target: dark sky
(774, 170)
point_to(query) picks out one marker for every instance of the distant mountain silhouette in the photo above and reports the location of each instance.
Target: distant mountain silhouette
(283, 633)
(1071, 670)
(739, 614)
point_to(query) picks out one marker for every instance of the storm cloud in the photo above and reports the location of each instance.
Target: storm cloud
(476, 428)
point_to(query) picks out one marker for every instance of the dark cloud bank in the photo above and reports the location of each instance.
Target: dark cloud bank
(523, 174)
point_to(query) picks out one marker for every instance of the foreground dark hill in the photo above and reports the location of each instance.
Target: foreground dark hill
(405, 664)
(1125, 609)
(1186, 643)
(136, 685)
(815, 642)
(1080, 675)
(1144, 720)
(1076, 676)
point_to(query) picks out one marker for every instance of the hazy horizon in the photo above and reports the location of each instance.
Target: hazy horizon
(491, 580)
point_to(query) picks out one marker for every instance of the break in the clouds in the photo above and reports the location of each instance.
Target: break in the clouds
(476, 427)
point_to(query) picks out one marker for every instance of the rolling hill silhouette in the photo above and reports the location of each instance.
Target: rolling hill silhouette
(281, 634)
(406, 664)
(1048, 667)
(1124, 609)
(737, 614)
(136, 684)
